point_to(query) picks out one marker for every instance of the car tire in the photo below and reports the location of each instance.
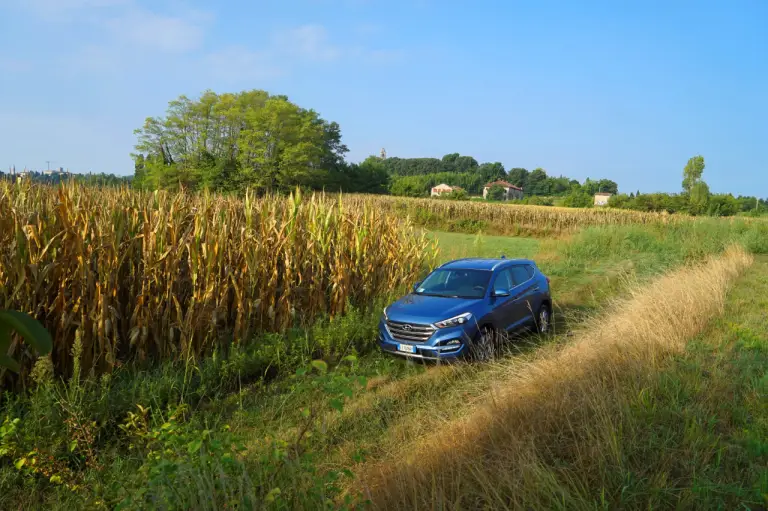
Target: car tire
(544, 319)
(483, 349)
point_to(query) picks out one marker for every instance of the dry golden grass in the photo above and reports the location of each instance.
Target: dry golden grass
(512, 218)
(159, 275)
(545, 435)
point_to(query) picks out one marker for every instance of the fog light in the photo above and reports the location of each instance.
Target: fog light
(454, 342)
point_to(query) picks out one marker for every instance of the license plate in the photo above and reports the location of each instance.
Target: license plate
(406, 348)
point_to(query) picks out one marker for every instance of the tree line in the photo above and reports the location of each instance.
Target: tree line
(230, 142)
(695, 197)
(99, 179)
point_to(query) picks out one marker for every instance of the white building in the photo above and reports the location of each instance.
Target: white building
(601, 198)
(443, 188)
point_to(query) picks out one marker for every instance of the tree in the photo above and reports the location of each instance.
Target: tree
(139, 171)
(692, 172)
(465, 164)
(559, 185)
(233, 141)
(537, 183)
(699, 198)
(492, 171)
(450, 159)
(606, 185)
(578, 197)
(496, 193)
(518, 177)
(368, 177)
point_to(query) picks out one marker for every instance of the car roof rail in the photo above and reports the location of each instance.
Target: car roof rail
(456, 260)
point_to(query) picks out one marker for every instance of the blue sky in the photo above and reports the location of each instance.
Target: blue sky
(621, 90)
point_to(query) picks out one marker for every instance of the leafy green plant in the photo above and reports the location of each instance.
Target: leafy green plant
(188, 465)
(496, 193)
(29, 329)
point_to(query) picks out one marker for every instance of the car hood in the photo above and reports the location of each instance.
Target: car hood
(415, 308)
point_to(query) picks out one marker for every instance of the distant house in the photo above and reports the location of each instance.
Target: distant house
(510, 191)
(443, 188)
(61, 172)
(601, 198)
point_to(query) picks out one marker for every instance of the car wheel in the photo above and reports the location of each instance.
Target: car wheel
(544, 319)
(484, 347)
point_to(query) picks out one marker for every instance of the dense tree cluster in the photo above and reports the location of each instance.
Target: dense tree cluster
(229, 142)
(409, 178)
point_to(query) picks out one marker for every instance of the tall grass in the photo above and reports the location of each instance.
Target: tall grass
(546, 436)
(158, 275)
(465, 216)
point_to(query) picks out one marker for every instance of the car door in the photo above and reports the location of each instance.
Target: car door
(525, 294)
(502, 306)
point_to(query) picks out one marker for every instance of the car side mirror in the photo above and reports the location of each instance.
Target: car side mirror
(500, 292)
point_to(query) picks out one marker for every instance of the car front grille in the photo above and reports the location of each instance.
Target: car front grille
(409, 332)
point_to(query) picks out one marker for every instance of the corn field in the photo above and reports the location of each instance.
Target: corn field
(156, 275)
(510, 218)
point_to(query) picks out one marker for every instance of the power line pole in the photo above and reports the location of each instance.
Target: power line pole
(49, 164)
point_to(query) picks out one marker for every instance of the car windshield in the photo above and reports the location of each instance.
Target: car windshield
(455, 283)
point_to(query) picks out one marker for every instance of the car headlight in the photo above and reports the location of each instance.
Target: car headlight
(455, 321)
(385, 313)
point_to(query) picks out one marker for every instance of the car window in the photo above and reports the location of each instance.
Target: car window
(455, 283)
(519, 275)
(503, 281)
(530, 270)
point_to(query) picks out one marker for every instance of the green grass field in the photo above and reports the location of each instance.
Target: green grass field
(457, 245)
(164, 437)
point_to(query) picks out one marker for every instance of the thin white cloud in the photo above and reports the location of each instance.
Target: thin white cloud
(287, 50)
(65, 10)
(236, 63)
(126, 21)
(310, 42)
(92, 59)
(64, 5)
(173, 34)
(126, 33)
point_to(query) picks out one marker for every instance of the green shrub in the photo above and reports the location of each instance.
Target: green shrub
(496, 193)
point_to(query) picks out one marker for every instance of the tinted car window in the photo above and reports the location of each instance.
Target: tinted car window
(503, 281)
(456, 283)
(530, 271)
(519, 275)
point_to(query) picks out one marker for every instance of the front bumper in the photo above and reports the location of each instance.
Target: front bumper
(434, 348)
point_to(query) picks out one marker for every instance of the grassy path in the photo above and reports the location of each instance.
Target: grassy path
(407, 399)
(689, 435)
(701, 427)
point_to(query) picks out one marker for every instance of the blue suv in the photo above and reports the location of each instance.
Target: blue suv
(464, 307)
